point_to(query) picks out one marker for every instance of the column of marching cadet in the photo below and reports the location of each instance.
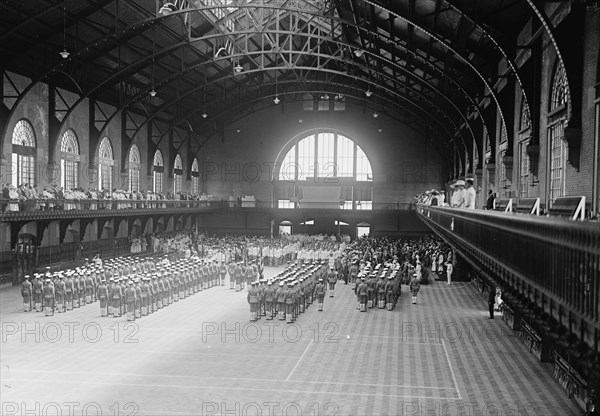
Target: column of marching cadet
(123, 286)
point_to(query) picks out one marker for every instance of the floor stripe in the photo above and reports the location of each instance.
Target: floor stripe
(299, 360)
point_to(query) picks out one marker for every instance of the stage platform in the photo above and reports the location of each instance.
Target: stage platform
(202, 356)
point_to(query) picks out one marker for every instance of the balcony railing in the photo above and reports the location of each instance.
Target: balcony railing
(549, 270)
(552, 256)
(19, 210)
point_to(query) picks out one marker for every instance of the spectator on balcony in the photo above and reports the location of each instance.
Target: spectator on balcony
(470, 194)
(459, 196)
(13, 195)
(489, 204)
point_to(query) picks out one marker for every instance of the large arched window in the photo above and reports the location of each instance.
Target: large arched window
(557, 146)
(135, 165)
(195, 177)
(69, 160)
(105, 164)
(325, 158)
(325, 155)
(177, 174)
(23, 154)
(158, 169)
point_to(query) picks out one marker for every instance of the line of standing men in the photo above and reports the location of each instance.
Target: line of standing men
(289, 293)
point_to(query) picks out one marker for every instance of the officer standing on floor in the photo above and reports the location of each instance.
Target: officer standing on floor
(102, 294)
(319, 293)
(48, 292)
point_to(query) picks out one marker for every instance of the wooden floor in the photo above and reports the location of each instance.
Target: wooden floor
(203, 356)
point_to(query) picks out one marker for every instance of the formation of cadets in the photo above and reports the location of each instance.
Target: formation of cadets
(123, 286)
(376, 285)
(289, 293)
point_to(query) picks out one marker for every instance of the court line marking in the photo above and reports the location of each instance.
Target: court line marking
(134, 351)
(187, 386)
(452, 371)
(234, 378)
(299, 359)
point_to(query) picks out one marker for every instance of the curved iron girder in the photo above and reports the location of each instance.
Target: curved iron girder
(509, 61)
(146, 22)
(31, 18)
(179, 74)
(547, 26)
(426, 129)
(192, 91)
(358, 96)
(450, 48)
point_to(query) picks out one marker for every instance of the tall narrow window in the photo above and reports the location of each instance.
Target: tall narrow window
(69, 148)
(559, 98)
(195, 177)
(177, 175)
(524, 170)
(105, 164)
(158, 170)
(524, 138)
(135, 165)
(23, 154)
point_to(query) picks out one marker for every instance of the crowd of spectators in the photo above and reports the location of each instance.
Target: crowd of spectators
(426, 256)
(264, 250)
(462, 195)
(27, 197)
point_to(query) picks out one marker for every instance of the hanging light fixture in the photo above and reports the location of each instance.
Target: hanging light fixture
(166, 8)
(238, 68)
(64, 53)
(153, 91)
(276, 99)
(368, 92)
(204, 114)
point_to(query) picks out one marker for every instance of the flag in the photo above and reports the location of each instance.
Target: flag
(260, 263)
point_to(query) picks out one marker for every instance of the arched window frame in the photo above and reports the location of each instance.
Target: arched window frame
(158, 169)
(325, 154)
(134, 161)
(177, 174)
(557, 145)
(524, 140)
(69, 160)
(23, 153)
(105, 164)
(195, 177)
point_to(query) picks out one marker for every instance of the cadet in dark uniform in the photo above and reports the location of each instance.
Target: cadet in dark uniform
(390, 293)
(269, 294)
(59, 289)
(115, 296)
(138, 298)
(361, 292)
(281, 305)
(130, 300)
(371, 286)
(381, 292)
(414, 287)
(48, 293)
(222, 272)
(69, 291)
(102, 294)
(145, 296)
(331, 280)
(253, 300)
(26, 293)
(231, 270)
(319, 293)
